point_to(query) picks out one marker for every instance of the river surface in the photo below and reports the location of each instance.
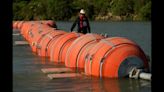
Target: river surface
(28, 77)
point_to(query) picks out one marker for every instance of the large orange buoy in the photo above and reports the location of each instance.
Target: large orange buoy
(83, 55)
(56, 52)
(16, 24)
(76, 47)
(51, 42)
(44, 43)
(23, 28)
(37, 35)
(114, 57)
(35, 29)
(26, 27)
(65, 49)
(20, 24)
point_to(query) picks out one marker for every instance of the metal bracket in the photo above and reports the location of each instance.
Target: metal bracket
(134, 73)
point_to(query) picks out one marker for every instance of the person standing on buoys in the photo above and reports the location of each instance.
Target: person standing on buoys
(83, 23)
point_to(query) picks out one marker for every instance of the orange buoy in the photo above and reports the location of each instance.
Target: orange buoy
(76, 47)
(50, 44)
(14, 24)
(20, 24)
(44, 43)
(36, 29)
(56, 52)
(26, 27)
(83, 55)
(38, 34)
(32, 30)
(65, 49)
(114, 57)
(23, 28)
(49, 23)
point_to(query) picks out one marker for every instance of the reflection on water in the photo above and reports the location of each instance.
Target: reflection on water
(27, 77)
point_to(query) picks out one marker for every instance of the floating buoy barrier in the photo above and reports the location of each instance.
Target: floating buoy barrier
(20, 24)
(34, 29)
(15, 24)
(96, 55)
(26, 27)
(51, 44)
(77, 46)
(83, 55)
(114, 57)
(37, 34)
(60, 47)
(43, 45)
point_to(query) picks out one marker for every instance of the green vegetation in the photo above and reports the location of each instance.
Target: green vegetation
(134, 10)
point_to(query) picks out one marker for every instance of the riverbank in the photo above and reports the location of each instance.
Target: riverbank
(110, 17)
(115, 10)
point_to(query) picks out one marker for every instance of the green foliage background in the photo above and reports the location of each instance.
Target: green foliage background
(68, 9)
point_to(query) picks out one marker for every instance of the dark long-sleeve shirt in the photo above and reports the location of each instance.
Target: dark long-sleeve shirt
(86, 27)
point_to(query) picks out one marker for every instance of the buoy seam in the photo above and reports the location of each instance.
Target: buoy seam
(81, 53)
(47, 46)
(83, 47)
(60, 51)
